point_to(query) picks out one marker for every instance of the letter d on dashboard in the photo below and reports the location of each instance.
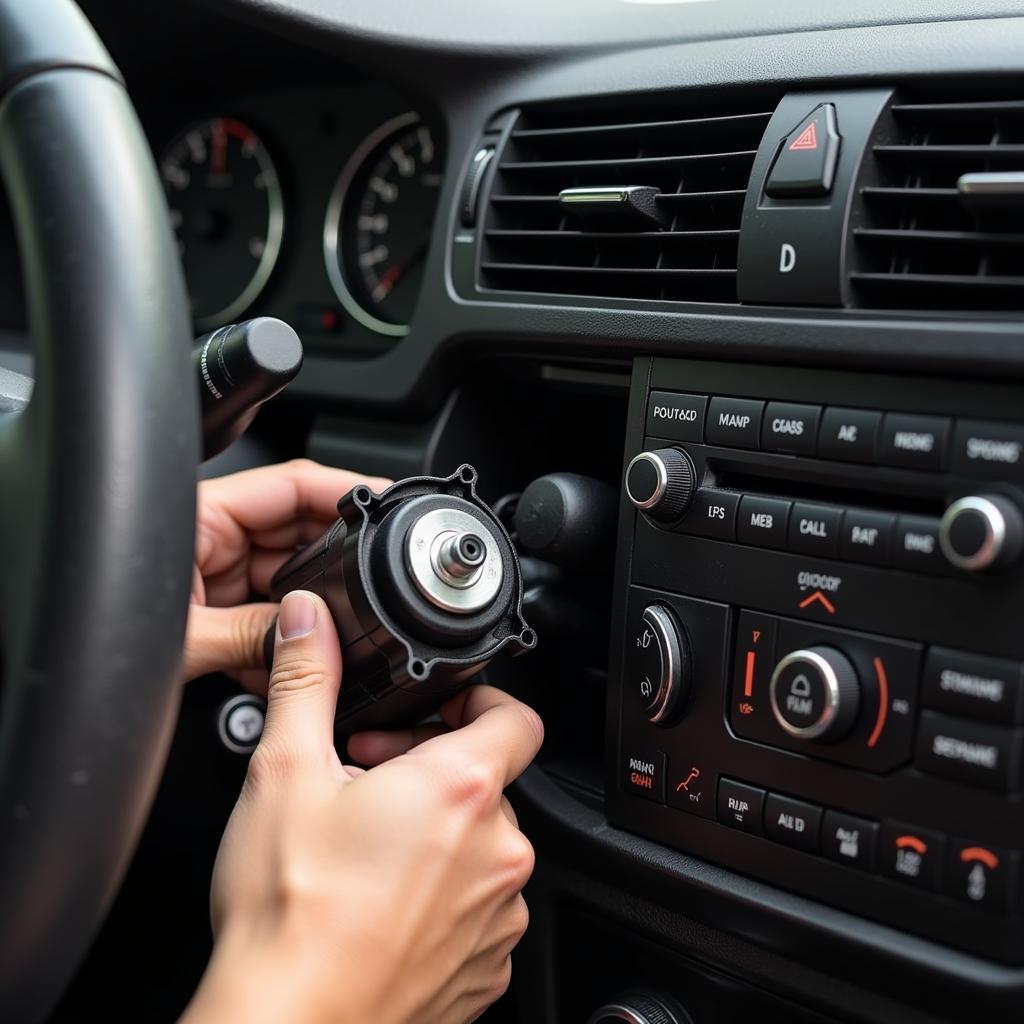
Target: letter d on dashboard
(787, 258)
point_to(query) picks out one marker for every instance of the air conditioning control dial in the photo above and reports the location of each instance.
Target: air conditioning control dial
(641, 1008)
(815, 694)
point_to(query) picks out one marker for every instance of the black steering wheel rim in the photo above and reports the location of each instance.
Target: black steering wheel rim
(97, 498)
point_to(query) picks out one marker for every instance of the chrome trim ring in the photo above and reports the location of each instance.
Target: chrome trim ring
(667, 639)
(659, 490)
(422, 546)
(831, 709)
(995, 533)
(332, 227)
(242, 700)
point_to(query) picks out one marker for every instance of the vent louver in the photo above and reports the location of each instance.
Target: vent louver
(695, 169)
(924, 243)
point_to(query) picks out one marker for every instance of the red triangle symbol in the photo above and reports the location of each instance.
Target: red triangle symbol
(807, 139)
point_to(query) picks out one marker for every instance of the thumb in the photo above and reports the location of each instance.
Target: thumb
(305, 678)
(226, 639)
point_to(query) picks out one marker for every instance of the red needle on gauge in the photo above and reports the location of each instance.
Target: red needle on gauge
(218, 148)
(390, 277)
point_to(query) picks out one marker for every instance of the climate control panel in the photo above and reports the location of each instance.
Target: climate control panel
(818, 669)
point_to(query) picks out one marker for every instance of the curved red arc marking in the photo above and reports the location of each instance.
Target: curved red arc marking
(979, 853)
(883, 702)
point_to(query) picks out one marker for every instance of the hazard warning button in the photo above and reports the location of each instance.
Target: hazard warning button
(806, 162)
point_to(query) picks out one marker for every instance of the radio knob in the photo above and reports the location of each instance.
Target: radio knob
(661, 483)
(981, 532)
(815, 694)
(660, 664)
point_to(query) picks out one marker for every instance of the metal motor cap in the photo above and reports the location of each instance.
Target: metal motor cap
(455, 560)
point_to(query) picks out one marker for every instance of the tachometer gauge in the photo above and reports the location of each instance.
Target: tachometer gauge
(378, 224)
(226, 209)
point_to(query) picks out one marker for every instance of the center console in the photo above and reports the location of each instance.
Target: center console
(818, 660)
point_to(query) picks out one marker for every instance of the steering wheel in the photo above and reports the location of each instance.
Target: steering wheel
(97, 498)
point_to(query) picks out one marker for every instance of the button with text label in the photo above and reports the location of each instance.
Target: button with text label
(762, 521)
(676, 416)
(740, 806)
(867, 536)
(644, 773)
(789, 427)
(734, 422)
(973, 752)
(916, 545)
(713, 514)
(916, 442)
(849, 840)
(849, 434)
(792, 822)
(814, 529)
(982, 874)
(974, 685)
(988, 449)
(911, 854)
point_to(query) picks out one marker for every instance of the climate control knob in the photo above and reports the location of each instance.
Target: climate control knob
(641, 1008)
(815, 694)
(661, 483)
(982, 532)
(659, 664)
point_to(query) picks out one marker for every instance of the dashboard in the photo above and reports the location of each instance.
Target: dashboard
(758, 269)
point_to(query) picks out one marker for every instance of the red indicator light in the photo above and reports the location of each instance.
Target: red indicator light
(883, 701)
(819, 596)
(748, 678)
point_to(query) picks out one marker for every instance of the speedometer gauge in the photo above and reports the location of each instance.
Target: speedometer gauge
(378, 224)
(226, 209)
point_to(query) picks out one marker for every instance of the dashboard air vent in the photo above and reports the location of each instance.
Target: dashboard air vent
(942, 223)
(644, 209)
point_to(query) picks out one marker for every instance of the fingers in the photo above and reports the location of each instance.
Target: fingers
(376, 746)
(491, 728)
(226, 639)
(304, 683)
(274, 496)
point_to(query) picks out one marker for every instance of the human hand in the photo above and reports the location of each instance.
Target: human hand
(247, 525)
(391, 895)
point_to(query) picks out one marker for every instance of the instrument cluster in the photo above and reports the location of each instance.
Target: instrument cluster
(317, 208)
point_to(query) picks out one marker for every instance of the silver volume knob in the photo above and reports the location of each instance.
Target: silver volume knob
(980, 532)
(661, 483)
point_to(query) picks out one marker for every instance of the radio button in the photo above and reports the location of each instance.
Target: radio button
(676, 416)
(741, 806)
(971, 752)
(849, 840)
(762, 521)
(867, 536)
(917, 545)
(814, 529)
(983, 875)
(734, 422)
(914, 442)
(988, 449)
(849, 434)
(713, 514)
(973, 685)
(792, 822)
(911, 854)
(790, 428)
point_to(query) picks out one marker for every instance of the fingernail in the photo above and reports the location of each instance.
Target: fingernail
(297, 616)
